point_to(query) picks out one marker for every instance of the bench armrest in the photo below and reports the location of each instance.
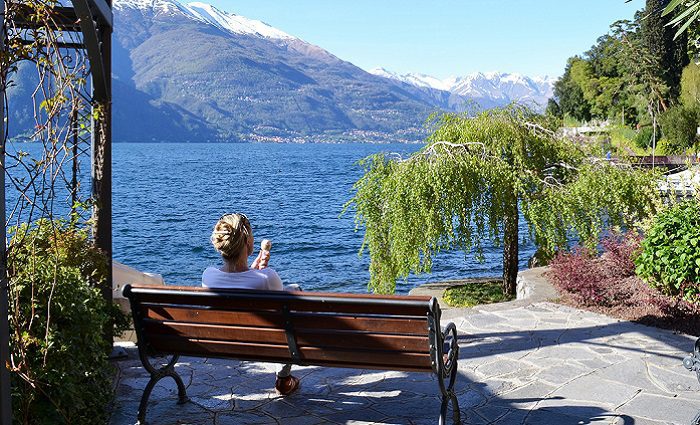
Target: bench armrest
(692, 362)
(450, 358)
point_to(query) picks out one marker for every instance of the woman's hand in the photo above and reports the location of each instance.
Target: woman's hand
(261, 260)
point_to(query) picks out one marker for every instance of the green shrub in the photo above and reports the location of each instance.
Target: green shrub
(690, 85)
(679, 125)
(61, 374)
(553, 109)
(663, 148)
(622, 140)
(670, 256)
(643, 139)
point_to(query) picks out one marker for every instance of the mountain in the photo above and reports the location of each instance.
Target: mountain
(237, 79)
(488, 90)
(191, 72)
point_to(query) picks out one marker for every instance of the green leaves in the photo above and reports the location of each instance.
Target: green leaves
(57, 317)
(670, 256)
(684, 17)
(598, 197)
(456, 192)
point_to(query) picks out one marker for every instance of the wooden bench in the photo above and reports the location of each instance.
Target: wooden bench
(304, 328)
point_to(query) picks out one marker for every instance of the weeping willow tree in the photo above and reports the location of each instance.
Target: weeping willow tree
(469, 185)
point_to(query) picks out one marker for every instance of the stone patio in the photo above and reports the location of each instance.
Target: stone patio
(540, 363)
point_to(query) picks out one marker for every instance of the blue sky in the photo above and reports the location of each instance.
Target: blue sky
(444, 37)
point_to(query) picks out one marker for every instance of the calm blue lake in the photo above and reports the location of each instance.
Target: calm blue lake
(167, 197)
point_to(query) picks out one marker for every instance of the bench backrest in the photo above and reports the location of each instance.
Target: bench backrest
(328, 329)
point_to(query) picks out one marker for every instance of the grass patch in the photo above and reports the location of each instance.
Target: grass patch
(475, 294)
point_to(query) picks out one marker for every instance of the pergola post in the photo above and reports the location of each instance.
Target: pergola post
(102, 160)
(5, 388)
(97, 39)
(94, 20)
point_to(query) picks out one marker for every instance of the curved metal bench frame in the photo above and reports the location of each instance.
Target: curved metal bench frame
(692, 363)
(444, 355)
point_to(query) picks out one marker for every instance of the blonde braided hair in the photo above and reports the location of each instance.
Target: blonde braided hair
(230, 235)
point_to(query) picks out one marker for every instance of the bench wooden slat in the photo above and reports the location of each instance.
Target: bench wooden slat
(242, 318)
(167, 344)
(365, 358)
(380, 324)
(217, 332)
(376, 367)
(304, 338)
(166, 290)
(370, 341)
(278, 353)
(274, 300)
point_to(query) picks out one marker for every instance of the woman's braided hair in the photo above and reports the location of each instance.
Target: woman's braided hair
(230, 235)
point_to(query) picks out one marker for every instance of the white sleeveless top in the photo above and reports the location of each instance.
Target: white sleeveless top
(266, 279)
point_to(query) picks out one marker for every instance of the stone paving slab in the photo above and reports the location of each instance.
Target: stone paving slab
(538, 364)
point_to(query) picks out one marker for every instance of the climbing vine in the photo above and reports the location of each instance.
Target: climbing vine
(51, 81)
(468, 184)
(58, 363)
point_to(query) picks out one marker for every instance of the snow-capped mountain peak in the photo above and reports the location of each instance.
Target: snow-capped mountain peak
(414, 79)
(501, 88)
(235, 23)
(208, 14)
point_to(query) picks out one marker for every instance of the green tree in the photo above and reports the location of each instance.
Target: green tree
(602, 93)
(633, 72)
(616, 77)
(553, 109)
(569, 95)
(643, 83)
(669, 54)
(679, 125)
(469, 183)
(690, 85)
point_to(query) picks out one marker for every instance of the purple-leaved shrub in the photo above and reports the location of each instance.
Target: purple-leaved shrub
(608, 284)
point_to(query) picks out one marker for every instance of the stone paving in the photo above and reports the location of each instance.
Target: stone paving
(536, 364)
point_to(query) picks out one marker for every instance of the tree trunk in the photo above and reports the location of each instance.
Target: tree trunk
(510, 249)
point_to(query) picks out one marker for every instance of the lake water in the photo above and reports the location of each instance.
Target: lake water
(167, 198)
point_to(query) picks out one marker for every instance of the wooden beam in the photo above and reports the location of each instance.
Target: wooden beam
(5, 389)
(102, 167)
(94, 50)
(64, 18)
(102, 11)
(61, 44)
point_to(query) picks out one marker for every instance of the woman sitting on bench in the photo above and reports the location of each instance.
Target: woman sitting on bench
(233, 239)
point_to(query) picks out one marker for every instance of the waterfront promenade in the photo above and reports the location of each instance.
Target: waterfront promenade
(520, 363)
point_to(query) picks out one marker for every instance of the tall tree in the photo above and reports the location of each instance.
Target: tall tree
(569, 95)
(690, 86)
(471, 181)
(669, 55)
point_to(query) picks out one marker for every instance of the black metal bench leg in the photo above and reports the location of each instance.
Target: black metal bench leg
(456, 416)
(443, 410)
(157, 375)
(144, 399)
(444, 361)
(181, 391)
